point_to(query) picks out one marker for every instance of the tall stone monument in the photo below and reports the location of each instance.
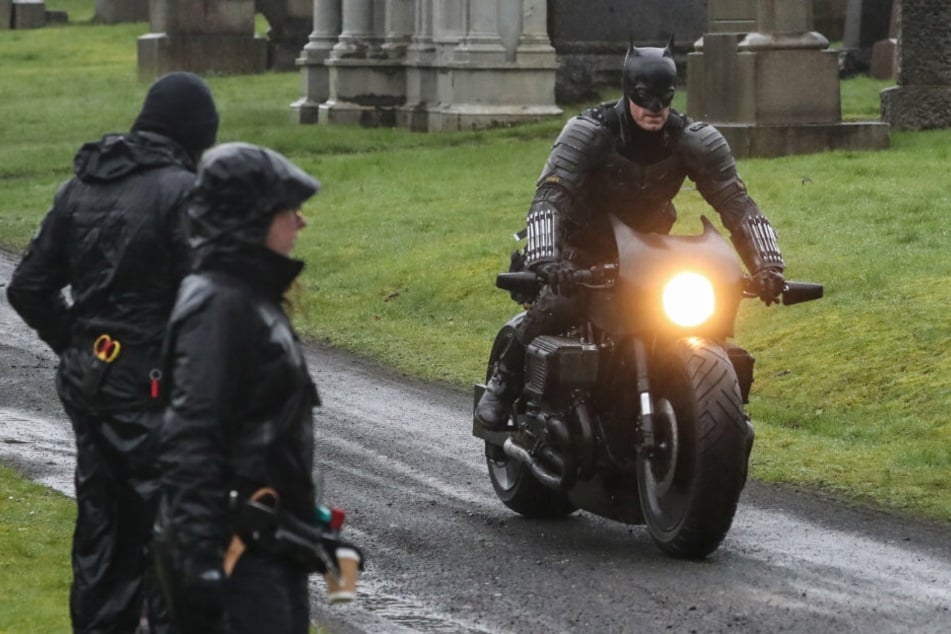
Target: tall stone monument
(202, 36)
(770, 83)
(922, 98)
(427, 64)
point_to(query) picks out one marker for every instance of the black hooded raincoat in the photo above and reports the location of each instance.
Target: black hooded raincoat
(241, 403)
(115, 237)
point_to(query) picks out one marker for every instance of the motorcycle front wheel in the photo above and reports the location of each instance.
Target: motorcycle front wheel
(512, 481)
(690, 482)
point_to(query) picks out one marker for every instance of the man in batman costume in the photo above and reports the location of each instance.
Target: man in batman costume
(628, 159)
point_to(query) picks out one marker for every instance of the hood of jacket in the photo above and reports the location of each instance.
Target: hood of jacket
(117, 155)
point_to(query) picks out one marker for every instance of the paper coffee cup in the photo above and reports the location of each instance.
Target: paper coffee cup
(344, 588)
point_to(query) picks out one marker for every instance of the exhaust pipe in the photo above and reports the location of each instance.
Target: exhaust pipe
(549, 467)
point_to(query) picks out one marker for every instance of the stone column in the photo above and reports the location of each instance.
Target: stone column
(773, 90)
(357, 34)
(482, 43)
(534, 46)
(922, 99)
(398, 28)
(366, 86)
(201, 36)
(315, 76)
(420, 70)
(449, 27)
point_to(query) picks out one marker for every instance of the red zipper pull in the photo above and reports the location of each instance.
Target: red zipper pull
(154, 377)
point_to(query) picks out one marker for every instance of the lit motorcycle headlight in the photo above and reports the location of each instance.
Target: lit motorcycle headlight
(689, 299)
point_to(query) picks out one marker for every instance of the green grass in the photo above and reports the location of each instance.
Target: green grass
(410, 229)
(851, 393)
(35, 536)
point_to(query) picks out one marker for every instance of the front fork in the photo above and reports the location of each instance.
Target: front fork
(642, 385)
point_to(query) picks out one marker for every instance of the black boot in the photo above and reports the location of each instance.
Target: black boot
(495, 406)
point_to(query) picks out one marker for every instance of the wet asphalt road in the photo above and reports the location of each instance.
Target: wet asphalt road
(444, 556)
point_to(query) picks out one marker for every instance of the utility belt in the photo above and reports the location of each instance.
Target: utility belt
(259, 524)
(106, 350)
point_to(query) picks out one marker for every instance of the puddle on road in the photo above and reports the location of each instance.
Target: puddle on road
(45, 451)
(377, 611)
(42, 448)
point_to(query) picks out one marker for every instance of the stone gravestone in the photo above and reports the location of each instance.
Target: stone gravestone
(922, 98)
(116, 11)
(6, 15)
(866, 23)
(591, 38)
(770, 83)
(29, 14)
(201, 36)
(884, 64)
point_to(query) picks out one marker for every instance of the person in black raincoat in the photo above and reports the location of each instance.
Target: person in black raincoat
(115, 236)
(240, 420)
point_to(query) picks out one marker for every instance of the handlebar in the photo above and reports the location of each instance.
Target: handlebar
(529, 282)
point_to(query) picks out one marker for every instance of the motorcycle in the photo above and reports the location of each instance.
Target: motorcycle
(636, 414)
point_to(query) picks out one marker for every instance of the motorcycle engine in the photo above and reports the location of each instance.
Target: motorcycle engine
(557, 365)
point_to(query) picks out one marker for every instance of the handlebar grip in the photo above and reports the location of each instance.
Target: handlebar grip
(521, 281)
(798, 292)
(585, 276)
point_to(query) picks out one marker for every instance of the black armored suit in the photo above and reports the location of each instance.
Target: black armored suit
(626, 159)
(603, 164)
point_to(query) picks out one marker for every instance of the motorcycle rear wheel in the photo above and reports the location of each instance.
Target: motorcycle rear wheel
(512, 481)
(691, 482)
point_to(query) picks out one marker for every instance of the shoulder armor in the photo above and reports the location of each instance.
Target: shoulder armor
(584, 142)
(603, 114)
(706, 153)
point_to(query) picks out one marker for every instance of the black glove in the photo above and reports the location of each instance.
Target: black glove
(559, 276)
(769, 283)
